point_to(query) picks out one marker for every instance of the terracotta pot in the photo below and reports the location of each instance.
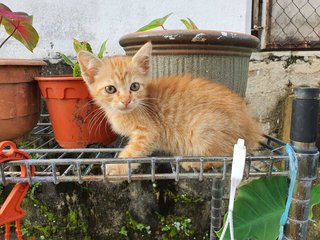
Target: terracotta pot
(217, 55)
(19, 98)
(76, 120)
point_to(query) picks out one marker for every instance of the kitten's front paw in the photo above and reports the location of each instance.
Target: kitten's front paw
(196, 165)
(190, 165)
(119, 169)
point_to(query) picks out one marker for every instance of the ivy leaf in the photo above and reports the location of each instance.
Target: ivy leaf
(314, 199)
(258, 209)
(154, 23)
(66, 59)
(102, 49)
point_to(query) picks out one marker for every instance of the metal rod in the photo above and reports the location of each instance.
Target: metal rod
(303, 135)
(216, 206)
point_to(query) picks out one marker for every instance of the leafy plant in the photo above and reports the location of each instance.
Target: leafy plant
(159, 22)
(189, 23)
(19, 26)
(78, 46)
(314, 199)
(175, 227)
(259, 206)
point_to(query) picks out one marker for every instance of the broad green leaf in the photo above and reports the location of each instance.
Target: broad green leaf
(66, 59)
(86, 46)
(186, 23)
(258, 209)
(154, 23)
(22, 31)
(314, 199)
(76, 70)
(102, 49)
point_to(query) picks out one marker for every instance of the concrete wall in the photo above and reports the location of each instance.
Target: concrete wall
(58, 22)
(272, 78)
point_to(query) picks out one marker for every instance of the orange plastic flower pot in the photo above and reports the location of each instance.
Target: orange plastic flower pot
(76, 120)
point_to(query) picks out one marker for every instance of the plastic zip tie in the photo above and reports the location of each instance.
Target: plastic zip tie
(238, 163)
(293, 169)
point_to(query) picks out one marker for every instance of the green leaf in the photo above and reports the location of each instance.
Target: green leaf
(154, 23)
(189, 24)
(258, 209)
(314, 199)
(66, 59)
(76, 70)
(123, 231)
(78, 46)
(23, 31)
(102, 49)
(186, 24)
(194, 26)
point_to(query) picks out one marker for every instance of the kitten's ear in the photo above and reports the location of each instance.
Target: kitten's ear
(142, 59)
(89, 65)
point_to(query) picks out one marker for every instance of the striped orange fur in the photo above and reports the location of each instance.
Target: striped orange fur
(181, 115)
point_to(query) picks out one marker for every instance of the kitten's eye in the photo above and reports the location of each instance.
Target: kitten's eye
(135, 86)
(110, 89)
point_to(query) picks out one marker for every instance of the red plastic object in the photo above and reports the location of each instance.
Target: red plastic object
(76, 121)
(10, 210)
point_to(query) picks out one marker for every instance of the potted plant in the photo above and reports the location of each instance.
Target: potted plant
(20, 96)
(217, 55)
(76, 120)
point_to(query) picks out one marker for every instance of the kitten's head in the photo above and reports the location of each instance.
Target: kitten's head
(118, 84)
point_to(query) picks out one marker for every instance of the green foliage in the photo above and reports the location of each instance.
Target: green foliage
(133, 226)
(50, 225)
(19, 26)
(258, 208)
(182, 198)
(314, 199)
(175, 227)
(189, 24)
(78, 46)
(159, 22)
(102, 49)
(155, 23)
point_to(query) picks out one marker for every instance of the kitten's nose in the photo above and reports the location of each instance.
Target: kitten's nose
(126, 102)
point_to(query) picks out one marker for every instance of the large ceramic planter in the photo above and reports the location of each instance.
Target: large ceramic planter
(76, 120)
(19, 97)
(217, 55)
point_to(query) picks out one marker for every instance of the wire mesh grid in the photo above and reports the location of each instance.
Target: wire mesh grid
(293, 24)
(54, 164)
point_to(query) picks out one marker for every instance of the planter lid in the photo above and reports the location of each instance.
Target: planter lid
(22, 62)
(194, 37)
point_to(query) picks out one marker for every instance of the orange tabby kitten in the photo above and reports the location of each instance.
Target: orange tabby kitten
(181, 115)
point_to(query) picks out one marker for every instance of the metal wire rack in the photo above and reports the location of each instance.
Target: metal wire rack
(54, 164)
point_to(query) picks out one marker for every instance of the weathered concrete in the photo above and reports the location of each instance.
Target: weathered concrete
(272, 77)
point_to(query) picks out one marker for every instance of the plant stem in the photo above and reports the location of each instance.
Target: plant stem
(163, 27)
(8, 38)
